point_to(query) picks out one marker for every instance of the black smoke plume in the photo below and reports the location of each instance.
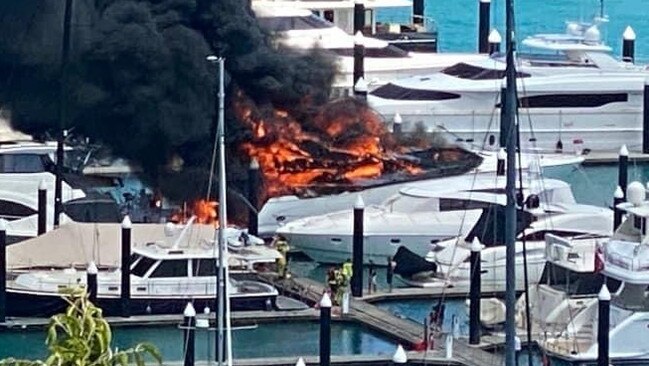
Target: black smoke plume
(139, 81)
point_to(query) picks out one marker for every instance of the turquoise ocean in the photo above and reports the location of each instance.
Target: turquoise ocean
(457, 20)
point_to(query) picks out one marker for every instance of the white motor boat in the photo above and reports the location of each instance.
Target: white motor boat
(300, 28)
(279, 211)
(418, 217)
(569, 283)
(553, 211)
(171, 265)
(573, 95)
(625, 258)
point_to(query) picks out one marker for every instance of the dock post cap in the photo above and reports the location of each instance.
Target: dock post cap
(92, 268)
(502, 155)
(300, 361)
(359, 39)
(361, 85)
(189, 312)
(359, 204)
(3, 225)
(126, 222)
(624, 151)
(604, 294)
(629, 34)
(361, 2)
(494, 36)
(254, 164)
(397, 118)
(476, 246)
(42, 185)
(618, 192)
(325, 302)
(400, 356)
(517, 343)
(635, 193)
(485, 1)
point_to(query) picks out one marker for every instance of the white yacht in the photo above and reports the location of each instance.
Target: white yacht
(625, 258)
(421, 216)
(572, 95)
(279, 211)
(549, 209)
(420, 35)
(301, 29)
(163, 280)
(24, 166)
(171, 264)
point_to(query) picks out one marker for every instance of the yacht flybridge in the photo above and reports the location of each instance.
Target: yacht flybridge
(301, 29)
(573, 95)
(625, 258)
(420, 35)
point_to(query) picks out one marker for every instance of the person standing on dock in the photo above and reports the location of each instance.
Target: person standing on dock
(390, 273)
(282, 247)
(332, 283)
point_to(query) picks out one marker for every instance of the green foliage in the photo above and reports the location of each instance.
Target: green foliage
(82, 337)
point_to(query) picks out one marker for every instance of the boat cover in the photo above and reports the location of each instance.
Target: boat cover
(409, 263)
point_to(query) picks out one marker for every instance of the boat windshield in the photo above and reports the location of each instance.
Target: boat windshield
(287, 23)
(142, 266)
(575, 283)
(633, 297)
(472, 72)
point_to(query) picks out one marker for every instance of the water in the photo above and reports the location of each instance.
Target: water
(457, 20)
(265, 340)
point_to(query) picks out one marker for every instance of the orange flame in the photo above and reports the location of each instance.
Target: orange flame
(204, 210)
(343, 143)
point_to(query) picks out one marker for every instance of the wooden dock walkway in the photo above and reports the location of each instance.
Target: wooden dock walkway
(407, 332)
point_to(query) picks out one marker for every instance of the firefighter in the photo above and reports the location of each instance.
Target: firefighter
(282, 247)
(340, 286)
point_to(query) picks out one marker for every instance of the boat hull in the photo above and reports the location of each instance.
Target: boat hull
(31, 304)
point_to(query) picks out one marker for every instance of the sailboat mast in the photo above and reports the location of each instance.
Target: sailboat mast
(509, 119)
(221, 291)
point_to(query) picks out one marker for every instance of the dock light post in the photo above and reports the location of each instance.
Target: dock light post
(604, 312)
(623, 169)
(494, 41)
(500, 162)
(618, 197)
(42, 208)
(254, 182)
(91, 281)
(357, 254)
(483, 26)
(126, 267)
(400, 357)
(474, 307)
(300, 362)
(189, 339)
(325, 330)
(3, 271)
(359, 57)
(359, 16)
(397, 122)
(628, 45)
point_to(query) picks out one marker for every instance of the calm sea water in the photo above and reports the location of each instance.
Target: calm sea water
(266, 340)
(457, 20)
